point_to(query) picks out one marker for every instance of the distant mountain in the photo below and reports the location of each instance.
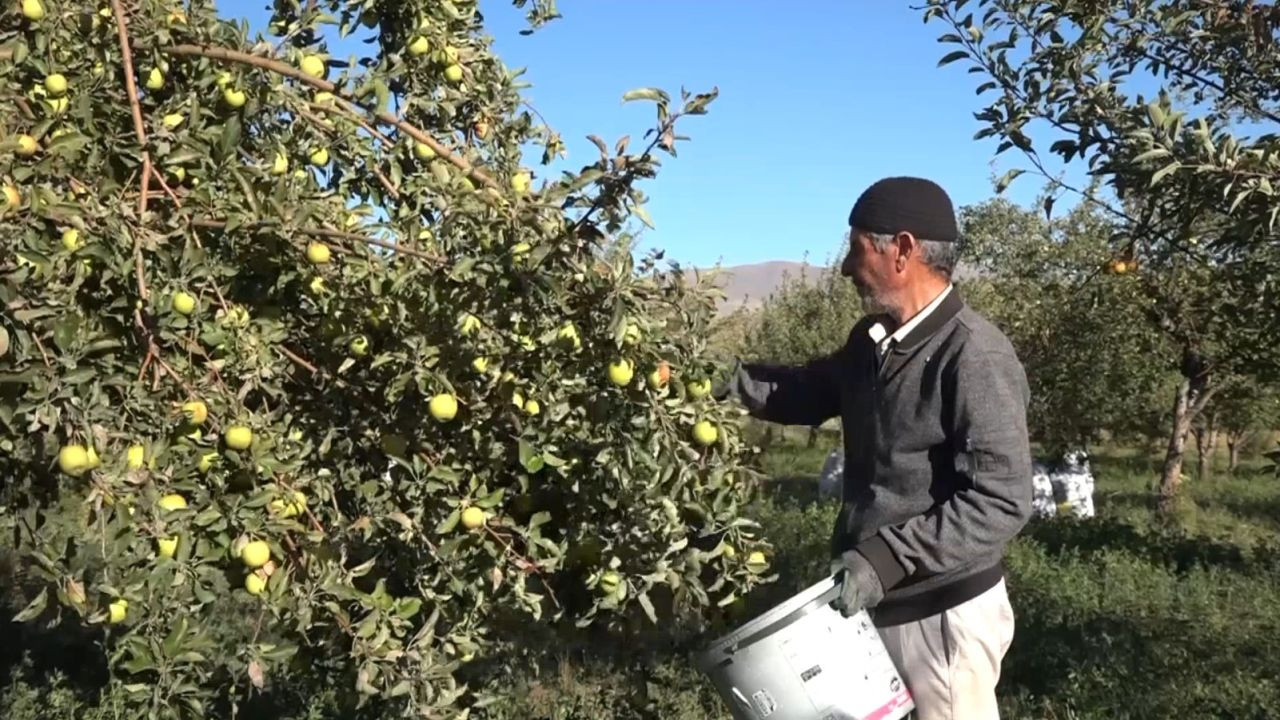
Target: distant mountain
(748, 285)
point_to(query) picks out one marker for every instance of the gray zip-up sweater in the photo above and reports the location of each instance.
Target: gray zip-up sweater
(937, 474)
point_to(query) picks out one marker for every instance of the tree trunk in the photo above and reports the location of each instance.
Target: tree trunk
(768, 436)
(1235, 439)
(1193, 394)
(813, 436)
(1206, 445)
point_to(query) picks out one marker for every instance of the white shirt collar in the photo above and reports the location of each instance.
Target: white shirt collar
(878, 331)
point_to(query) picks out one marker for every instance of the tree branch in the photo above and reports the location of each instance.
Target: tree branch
(337, 235)
(278, 67)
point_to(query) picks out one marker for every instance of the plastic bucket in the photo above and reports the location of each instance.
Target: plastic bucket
(803, 660)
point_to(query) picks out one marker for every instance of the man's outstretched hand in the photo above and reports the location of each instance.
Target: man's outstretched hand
(859, 584)
(739, 385)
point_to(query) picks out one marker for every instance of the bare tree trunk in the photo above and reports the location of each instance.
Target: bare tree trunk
(1193, 393)
(813, 436)
(1235, 440)
(1206, 445)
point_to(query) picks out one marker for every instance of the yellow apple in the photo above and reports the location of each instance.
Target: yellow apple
(313, 65)
(453, 73)
(319, 157)
(155, 79)
(449, 55)
(532, 407)
(480, 364)
(324, 97)
(12, 198)
(419, 46)
(443, 407)
(71, 239)
(166, 547)
(705, 433)
(234, 97)
(183, 303)
(728, 550)
(520, 182)
(521, 248)
(316, 286)
(698, 388)
(27, 146)
(224, 79)
(472, 518)
(423, 151)
(33, 10)
(238, 437)
(318, 253)
(172, 502)
(117, 611)
(136, 456)
(197, 412)
(56, 84)
(73, 460)
(280, 165)
(254, 583)
(621, 372)
(172, 120)
(255, 554)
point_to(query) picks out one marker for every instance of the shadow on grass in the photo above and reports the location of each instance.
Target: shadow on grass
(1169, 548)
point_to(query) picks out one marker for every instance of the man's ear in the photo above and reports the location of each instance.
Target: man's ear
(907, 246)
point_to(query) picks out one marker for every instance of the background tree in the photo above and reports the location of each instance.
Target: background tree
(1245, 412)
(807, 316)
(305, 376)
(1189, 183)
(1080, 333)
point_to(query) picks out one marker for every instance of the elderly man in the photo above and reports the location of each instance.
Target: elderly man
(933, 400)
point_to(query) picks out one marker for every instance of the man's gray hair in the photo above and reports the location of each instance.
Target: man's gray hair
(939, 255)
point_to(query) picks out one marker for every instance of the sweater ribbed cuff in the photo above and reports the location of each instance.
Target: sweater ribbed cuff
(887, 567)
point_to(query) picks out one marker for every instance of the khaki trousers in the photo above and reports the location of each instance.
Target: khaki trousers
(951, 661)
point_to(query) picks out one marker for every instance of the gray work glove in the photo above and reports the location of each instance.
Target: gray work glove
(859, 584)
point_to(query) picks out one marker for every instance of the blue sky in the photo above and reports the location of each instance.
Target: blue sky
(818, 99)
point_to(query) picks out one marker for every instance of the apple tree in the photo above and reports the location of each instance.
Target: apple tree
(304, 371)
(1074, 315)
(1172, 107)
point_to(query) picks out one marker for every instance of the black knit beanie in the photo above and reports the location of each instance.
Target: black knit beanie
(906, 204)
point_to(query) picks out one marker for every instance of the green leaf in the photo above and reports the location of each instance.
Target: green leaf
(647, 604)
(33, 608)
(653, 94)
(952, 56)
(491, 500)
(1007, 178)
(450, 522)
(1164, 172)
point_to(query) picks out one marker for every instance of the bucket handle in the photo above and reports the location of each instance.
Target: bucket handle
(825, 598)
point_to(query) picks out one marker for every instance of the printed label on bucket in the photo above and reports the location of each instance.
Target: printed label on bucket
(845, 668)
